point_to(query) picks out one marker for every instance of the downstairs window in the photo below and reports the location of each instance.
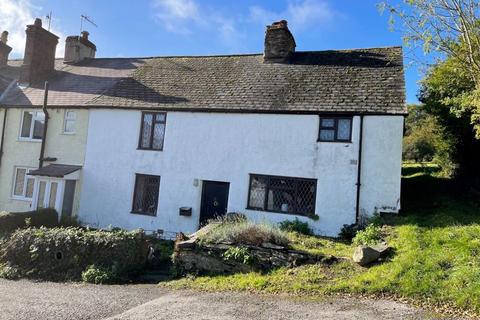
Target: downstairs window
(282, 194)
(145, 196)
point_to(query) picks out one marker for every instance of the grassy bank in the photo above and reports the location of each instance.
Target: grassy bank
(436, 241)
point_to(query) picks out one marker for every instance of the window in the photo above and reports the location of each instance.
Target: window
(152, 131)
(32, 125)
(69, 122)
(335, 129)
(145, 196)
(282, 194)
(23, 184)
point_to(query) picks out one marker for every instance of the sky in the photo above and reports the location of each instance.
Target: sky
(143, 28)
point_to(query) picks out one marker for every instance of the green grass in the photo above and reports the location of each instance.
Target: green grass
(436, 242)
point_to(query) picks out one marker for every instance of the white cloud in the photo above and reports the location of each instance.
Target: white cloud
(14, 16)
(177, 15)
(299, 14)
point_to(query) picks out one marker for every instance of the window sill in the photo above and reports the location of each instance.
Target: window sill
(21, 198)
(144, 214)
(69, 133)
(145, 149)
(280, 212)
(29, 140)
(337, 141)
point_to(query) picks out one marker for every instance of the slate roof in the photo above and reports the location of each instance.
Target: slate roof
(350, 81)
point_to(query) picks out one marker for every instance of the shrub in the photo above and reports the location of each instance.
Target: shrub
(10, 221)
(239, 254)
(64, 253)
(349, 231)
(240, 231)
(101, 275)
(296, 226)
(369, 236)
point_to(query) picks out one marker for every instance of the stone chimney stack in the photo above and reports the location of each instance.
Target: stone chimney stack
(279, 43)
(78, 48)
(39, 59)
(4, 49)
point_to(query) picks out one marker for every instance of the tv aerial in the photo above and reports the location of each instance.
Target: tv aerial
(85, 18)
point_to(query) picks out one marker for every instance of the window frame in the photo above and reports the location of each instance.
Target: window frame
(265, 201)
(32, 126)
(133, 211)
(65, 119)
(335, 128)
(154, 122)
(23, 197)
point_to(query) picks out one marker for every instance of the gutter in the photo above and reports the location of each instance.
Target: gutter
(45, 126)
(359, 171)
(4, 118)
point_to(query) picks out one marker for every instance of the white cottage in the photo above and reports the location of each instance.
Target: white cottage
(171, 142)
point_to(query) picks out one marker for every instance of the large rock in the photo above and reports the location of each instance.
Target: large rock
(365, 255)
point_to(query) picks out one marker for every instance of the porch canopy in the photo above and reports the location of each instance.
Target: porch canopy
(56, 171)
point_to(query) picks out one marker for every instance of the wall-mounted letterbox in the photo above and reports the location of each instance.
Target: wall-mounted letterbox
(186, 211)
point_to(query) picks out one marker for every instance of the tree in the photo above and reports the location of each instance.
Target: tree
(452, 29)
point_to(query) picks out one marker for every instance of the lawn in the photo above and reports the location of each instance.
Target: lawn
(436, 258)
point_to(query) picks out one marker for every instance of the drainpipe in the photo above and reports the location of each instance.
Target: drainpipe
(5, 117)
(3, 134)
(359, 171)
(45, 126)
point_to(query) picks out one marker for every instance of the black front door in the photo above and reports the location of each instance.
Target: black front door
(214, 200)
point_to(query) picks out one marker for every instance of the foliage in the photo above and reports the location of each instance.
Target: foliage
(240, 231)
(10, 221)
(8, 272)
(101, 275)
(239, 254)
(349, 231)
(64, 253)
(371, 235)
(436, 259)
(296, 226)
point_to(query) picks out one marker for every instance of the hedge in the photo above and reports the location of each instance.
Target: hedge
(62, 254)
(11, 221)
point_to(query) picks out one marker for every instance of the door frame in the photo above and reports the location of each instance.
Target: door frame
(203, 194)
(59, 195)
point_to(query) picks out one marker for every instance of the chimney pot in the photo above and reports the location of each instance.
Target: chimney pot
(78, 48)
(4, 37)
(38, 22)
(279, 43)
(85, 34)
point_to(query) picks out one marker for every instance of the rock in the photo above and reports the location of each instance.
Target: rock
(365, 255)
(269, 245)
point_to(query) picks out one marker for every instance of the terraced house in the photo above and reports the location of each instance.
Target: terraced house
(166, 143)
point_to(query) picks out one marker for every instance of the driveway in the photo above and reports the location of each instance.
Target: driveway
(28, 300)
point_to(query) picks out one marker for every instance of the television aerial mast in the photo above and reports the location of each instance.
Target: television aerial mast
(86, 19)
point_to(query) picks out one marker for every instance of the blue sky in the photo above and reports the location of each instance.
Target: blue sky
(203, 27)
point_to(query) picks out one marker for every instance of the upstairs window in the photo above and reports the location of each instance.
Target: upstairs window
(69, 122)
(282, 194)
(145, 197)
(335, 129)
(32, 125)
(23, 184)
(152, 131)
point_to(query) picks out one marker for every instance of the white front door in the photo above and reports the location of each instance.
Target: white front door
(48, 193)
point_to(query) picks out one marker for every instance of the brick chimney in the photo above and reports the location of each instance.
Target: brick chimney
(279, 43)
(4, 48)
(39, 58)
(78, 48)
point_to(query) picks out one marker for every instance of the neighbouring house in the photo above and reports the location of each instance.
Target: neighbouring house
(166, 143)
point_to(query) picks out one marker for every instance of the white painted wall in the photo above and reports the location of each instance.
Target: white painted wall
(68, 148)
(224, 147)
(382, 163)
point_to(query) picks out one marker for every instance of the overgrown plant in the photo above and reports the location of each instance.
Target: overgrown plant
(296, 226)
(101, 275)
(238, 254)
(371, 235)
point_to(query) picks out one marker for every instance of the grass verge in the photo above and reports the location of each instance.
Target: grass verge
(436, 241)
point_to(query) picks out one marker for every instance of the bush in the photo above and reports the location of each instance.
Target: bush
(236, 229)
(371, 235)
(239, 254)
(296, 226)
(101, 275)
(10, 221)
(64, 253)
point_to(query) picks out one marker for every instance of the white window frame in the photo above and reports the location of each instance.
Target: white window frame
(66, 118)
(25, 180)
(34, 117)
